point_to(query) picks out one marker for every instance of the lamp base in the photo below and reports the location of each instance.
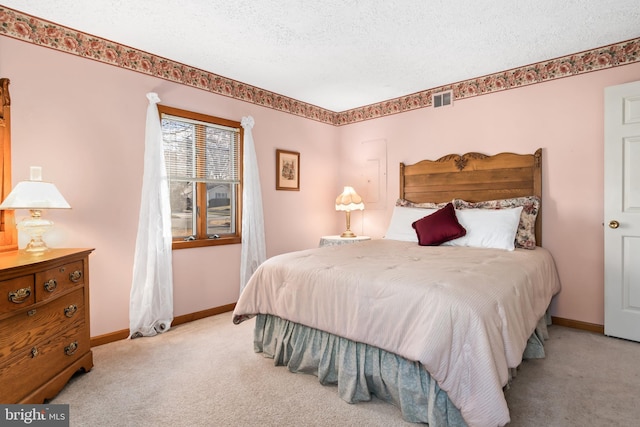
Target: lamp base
(35, 227)
(348, 232)
(36, 247)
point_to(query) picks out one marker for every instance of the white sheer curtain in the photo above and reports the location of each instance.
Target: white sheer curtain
(151, 306)
(253, 246)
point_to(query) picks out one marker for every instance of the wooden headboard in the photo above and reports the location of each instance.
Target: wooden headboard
(474, 177)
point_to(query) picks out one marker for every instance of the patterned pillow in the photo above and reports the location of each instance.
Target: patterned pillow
(407, 204)
(526, 235)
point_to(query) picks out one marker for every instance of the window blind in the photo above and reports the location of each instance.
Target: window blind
(197, 151)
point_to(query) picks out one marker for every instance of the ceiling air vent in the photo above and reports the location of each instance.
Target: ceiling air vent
(442, 99)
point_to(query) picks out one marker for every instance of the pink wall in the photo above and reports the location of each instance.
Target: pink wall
(565, 118)
(83, 122)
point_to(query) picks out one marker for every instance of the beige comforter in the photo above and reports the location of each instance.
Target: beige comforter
(463, 313)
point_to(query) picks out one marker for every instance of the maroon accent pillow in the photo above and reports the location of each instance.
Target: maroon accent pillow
(439, 227)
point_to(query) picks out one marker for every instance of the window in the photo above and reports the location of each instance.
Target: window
(203, 157)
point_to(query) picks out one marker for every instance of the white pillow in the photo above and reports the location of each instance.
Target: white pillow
(488, 228)
(401, 220)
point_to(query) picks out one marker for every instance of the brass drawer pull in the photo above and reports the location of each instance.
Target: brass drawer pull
(76, 276)
(50, 285)
(19, 296)
(71, 348)
(31, 313)
(34, 352)
(71, 310)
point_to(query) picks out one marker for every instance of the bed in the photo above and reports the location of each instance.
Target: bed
(434, 325)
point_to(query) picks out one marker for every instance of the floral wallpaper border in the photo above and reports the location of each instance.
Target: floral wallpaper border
(34, 30)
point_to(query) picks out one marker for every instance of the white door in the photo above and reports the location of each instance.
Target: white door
(622, 211)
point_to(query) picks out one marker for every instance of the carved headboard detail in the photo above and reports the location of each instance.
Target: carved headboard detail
(461, 161)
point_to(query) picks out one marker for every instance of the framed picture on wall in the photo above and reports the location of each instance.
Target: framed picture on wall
(287, 170)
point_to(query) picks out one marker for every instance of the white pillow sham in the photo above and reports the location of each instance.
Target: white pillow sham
(401, 220)
(488, 228)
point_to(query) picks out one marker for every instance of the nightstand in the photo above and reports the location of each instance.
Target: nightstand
(337, 240)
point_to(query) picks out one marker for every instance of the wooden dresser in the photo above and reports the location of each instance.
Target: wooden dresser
(44, 322)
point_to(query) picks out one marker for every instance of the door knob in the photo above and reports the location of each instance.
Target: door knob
(614, 224)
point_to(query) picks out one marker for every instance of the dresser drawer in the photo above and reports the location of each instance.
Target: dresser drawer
(40, 363)
(16, 293)
(56, 280)
(25, 329)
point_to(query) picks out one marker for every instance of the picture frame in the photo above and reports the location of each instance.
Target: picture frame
(287, 170)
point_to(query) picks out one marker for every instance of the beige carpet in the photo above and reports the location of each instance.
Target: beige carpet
(205, 373)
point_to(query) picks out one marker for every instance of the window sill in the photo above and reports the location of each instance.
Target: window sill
(179, 244)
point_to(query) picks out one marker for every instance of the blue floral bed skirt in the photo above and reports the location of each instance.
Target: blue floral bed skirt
(361, 370)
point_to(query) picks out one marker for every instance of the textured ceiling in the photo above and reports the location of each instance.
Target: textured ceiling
(343, 54)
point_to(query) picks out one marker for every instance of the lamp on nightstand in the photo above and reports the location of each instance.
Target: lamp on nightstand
(35, 195)
(349, 201)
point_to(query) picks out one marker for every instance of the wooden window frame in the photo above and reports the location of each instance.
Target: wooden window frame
(201, 237)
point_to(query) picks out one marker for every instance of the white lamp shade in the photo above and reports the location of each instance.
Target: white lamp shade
(349, 200)
(35, 195)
